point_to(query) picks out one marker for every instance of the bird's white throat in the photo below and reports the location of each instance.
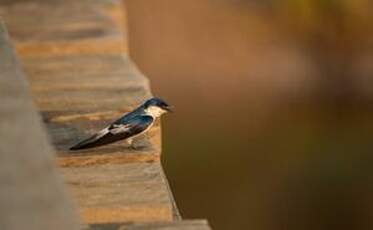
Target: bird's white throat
(154, 111)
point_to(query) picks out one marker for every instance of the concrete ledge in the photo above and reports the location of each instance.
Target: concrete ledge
(176, 225)
(78, 93)
(32, 195)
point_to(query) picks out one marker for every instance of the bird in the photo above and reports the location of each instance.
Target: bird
(131, 125)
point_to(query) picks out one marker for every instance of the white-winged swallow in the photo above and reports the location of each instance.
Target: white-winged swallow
(129, 126)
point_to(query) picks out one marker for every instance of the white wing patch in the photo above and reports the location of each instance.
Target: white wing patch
(119, 129)
(102, 133)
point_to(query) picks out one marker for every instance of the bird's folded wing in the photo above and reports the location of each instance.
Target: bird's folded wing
(133, 126)
(116, 131)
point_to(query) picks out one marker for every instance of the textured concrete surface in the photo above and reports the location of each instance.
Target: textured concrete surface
(177, 225)
(32, 195)
(112, 193)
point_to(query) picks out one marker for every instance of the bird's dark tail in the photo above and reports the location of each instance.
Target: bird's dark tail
(78, 146)
(85, 144)
(98, 140)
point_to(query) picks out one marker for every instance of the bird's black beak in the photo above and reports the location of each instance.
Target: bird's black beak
(169, 109)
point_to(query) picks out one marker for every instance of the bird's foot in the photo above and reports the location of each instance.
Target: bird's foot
(137, 144)
(136, 147)
(132, 147)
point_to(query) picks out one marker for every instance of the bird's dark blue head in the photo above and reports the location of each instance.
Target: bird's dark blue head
(157, 102)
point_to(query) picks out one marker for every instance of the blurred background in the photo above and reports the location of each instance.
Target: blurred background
(274, 108)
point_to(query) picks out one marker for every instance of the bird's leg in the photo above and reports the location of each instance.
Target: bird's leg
(130, 143)
(137, 142)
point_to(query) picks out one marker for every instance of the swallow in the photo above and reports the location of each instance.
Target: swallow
(131, 125)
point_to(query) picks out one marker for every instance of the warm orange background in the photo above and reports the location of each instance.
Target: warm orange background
(274, 124)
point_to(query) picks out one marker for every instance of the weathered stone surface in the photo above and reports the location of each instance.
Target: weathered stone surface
(31, 195)
(86, 84)
(58, 27)
(177, 225)
(114, 193)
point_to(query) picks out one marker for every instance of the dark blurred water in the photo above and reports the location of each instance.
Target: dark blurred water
(273, 125)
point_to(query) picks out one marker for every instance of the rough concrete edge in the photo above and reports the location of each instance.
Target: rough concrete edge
(195, 222)
(24, 83)
(151, 225)
(139, 74)
(175, 211)
(147, 83)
